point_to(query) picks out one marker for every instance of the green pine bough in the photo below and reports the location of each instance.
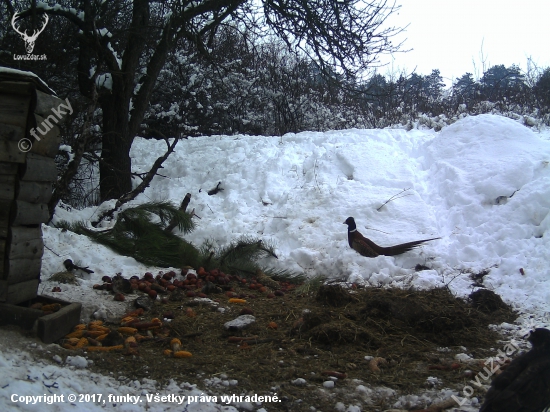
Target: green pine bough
(140, 232)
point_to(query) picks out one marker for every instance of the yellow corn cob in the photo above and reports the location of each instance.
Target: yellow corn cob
(130, 341)
(81, 343)
(182, 354)
(103, 329)
(127, 330)
(76, 334)
(101, 337)
(236, 300)
(95, 333)
(175, 344)
(52, 307)
(104, 348)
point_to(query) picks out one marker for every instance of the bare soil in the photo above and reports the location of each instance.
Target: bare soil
(314, 336)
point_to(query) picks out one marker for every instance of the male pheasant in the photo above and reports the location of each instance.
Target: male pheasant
(368, 248)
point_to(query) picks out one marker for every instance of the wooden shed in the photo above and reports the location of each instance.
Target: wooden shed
(27, 175)
(29, 141)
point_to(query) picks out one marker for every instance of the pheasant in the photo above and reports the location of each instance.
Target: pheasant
(368, 248)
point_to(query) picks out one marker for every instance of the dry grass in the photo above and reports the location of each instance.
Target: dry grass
(330, 330)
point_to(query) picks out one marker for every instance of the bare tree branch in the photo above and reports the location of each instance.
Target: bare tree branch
(142, 186)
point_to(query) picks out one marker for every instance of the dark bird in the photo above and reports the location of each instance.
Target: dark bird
(368, 248)
(70, 266)
(524, 386)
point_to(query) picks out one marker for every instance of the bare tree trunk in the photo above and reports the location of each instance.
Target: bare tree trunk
(130, 42)
(115, 167)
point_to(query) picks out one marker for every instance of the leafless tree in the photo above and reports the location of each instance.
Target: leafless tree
(123, 45)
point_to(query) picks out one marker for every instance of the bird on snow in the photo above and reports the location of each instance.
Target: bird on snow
(368, 248)
(524, 386)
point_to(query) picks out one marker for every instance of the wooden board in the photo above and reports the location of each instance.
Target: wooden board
(24, 233)
(33, 192)
(11, 132)
(25, 247)
(22, 316)
(7, 187)
(19, 292)
(48, 145)
(56, 325)
(9, 152)
(39, 168)
(49, 328)
(13, 86)
(5, 209)
(22, 270)
(16, 82)
(45, 102)
(25, 213)
(2, 256)
(21, 237)
(8, 168)
(14, 109)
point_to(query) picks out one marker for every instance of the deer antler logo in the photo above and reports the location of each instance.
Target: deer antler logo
(29, 40)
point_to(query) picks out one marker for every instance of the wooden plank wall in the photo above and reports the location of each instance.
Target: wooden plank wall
(26, 183)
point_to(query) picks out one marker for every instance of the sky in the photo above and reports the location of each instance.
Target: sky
(448, 35)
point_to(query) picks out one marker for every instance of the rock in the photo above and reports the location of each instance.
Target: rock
(121, 285)
(240, 322)
(143, 302)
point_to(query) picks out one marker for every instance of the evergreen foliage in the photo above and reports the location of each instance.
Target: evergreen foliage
(140, 232)
(241, 257)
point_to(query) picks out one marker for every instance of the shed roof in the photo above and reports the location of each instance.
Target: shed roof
(9, 74)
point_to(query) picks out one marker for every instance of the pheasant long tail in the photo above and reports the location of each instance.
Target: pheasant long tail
(402, 248)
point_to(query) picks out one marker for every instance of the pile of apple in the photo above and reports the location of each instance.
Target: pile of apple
(193, 283)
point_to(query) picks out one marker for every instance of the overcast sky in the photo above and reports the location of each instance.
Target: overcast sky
(448, 34)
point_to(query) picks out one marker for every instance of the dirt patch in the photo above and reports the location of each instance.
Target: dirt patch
(380, 338)
(332, 332)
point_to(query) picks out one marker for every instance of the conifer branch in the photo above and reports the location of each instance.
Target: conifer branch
(142, 186)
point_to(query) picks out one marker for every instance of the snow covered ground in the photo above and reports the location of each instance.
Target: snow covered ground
(481, 184)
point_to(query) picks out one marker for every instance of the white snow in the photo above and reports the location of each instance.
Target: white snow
(240, 322)
(23, 73)
(104, 80)
(77, 361)
(481, 184)
(104, 32)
